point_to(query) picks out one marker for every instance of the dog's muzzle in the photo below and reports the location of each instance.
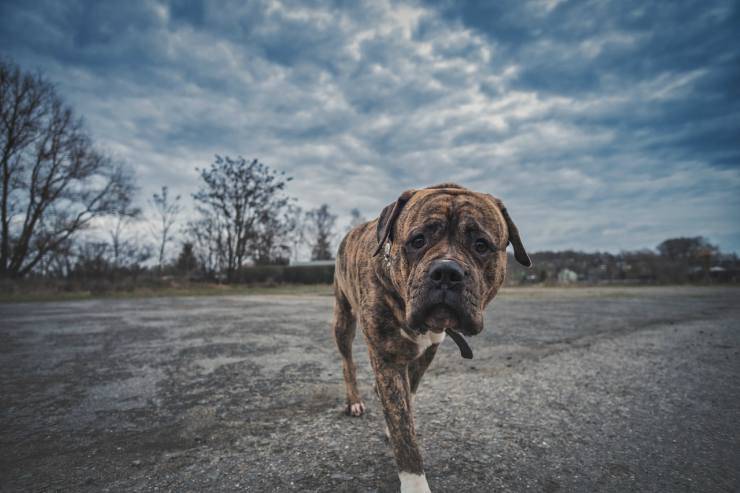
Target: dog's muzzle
(444, 305)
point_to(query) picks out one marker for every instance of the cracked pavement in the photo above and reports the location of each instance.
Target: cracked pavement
(580, 389)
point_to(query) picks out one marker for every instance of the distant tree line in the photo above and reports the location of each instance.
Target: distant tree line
(68, 211)
(674, 261)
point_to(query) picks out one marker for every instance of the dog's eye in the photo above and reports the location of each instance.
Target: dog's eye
(481, 246)
(418, 241)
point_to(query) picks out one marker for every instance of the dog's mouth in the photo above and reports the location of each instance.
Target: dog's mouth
(441, 317)
(446, 318)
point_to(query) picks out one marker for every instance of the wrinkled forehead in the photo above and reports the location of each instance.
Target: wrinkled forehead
(463, 208)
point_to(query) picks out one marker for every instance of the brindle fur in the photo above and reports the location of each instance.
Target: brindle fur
(388, 294)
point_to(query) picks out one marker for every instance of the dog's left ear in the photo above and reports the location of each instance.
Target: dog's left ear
(520, 254)
(388, 217)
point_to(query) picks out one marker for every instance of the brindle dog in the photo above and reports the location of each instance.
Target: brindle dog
(427, 266)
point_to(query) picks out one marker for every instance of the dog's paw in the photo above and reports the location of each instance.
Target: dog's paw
(355, 409)
(413, 483)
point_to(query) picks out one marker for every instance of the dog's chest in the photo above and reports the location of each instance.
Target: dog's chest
(423, 341)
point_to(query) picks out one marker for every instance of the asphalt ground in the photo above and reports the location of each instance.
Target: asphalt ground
(603, 389)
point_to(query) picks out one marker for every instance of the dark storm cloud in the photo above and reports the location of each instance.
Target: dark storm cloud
(582, 49)
(603, 125)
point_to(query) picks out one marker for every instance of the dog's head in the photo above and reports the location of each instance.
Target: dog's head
(444, 248)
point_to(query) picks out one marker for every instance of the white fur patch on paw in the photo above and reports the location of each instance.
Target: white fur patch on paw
(413, 483)
(356, 409)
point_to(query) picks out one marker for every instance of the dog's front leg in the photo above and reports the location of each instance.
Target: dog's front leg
(395, 396)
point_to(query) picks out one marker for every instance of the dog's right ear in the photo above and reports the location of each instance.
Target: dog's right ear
(387, 219)
(520, 254)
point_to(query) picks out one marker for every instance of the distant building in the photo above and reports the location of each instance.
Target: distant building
(722, 274)
(532, 278)
(311, 263)
(567, 276)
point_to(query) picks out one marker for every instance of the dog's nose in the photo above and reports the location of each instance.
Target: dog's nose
(446, 272)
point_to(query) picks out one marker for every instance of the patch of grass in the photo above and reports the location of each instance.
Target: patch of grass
(27, 293)
(611, 291)
(190, 290)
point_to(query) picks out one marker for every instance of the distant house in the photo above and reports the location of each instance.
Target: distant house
(722, 274)
(312, 263)
(567, 276)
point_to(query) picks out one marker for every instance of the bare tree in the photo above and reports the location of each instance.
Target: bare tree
(205, 238)
(92, 260)
(167, 209)
(297, 230)
(58, 263)
(272, 244)
(320, 223)
(127, 251)
(54, 183)
(122, 219)
(235, 198)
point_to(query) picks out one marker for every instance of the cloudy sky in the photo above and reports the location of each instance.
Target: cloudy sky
(603, 125)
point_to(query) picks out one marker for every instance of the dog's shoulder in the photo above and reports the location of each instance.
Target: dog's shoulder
(355, 262)
(359, 241)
